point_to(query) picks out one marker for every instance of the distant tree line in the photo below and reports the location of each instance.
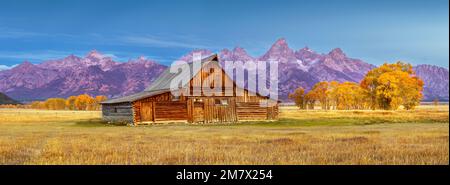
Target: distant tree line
(80, 102)
(15, 106)
(387, 87)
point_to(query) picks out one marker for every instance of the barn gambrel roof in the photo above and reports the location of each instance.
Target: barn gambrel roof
(162, 83)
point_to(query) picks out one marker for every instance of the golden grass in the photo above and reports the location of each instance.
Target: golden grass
(422, 114)
(39, 137)
(42, 116)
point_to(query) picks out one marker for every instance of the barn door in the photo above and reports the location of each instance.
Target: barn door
(222, 110)
(198, 114)
(147, 111)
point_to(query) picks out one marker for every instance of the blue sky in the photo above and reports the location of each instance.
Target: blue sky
(375, 31)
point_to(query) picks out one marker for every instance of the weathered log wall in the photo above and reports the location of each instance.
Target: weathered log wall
(121, 112)
(250, 111)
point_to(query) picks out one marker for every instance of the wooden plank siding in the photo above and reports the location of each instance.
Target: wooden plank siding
(204, 82)
(147, 114)
(213, 112)
(251, 111)
(171, 111)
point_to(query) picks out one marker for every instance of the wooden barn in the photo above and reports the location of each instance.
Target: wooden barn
(156, 104)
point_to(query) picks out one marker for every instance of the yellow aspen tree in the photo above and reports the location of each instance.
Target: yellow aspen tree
(298, 96)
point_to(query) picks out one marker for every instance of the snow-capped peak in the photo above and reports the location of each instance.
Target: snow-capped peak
(142, 58)
(95, 54)
(337, 53)
(279, 51)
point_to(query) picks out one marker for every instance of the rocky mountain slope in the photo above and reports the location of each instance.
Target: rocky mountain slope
(4, 100)
(94, 74)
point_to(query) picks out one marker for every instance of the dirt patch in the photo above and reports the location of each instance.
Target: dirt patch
(445, 138)
(371, 132)
(296, 133)
(97, 123)
(279, 141)
(386, 113)
(358, 139)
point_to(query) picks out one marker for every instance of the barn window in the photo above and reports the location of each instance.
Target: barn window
(224, 102)
(221, 102)
(175, 98)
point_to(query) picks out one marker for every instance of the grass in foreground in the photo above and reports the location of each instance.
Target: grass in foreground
(300, 137)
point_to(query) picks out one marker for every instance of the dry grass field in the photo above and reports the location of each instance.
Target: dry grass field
(299, 137)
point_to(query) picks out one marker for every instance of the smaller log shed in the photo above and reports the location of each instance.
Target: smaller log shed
(156, 104)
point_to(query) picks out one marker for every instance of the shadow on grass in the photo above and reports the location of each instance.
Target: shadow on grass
(325, 122)
(96, 123)
(289, 122)
(305, 122)
(292, 122)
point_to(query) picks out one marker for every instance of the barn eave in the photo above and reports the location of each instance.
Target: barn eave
(134, 97)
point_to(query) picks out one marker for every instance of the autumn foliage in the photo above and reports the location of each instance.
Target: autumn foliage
(392, 85)
(80, 102)
(386, 87)
(299, 98)
(332, 95)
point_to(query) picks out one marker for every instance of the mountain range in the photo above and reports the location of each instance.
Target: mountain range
(97, 74)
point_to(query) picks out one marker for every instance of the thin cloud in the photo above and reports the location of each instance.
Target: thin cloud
(158, 42)
(7, 33)
(35, 55)
(14, 34)
(167, 41)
